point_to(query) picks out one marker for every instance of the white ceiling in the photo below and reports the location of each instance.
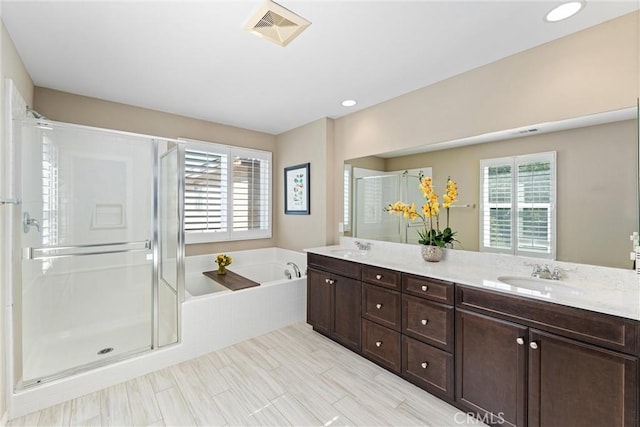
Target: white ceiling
(192, 57)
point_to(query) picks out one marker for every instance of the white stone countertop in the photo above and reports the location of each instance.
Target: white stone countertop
(601, 289)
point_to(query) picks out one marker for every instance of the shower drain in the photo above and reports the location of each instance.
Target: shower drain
(105, 350)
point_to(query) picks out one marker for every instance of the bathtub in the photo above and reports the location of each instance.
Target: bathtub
(266, 266)
(213, 317)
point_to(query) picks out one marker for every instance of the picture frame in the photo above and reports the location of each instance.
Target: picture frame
(297, 191)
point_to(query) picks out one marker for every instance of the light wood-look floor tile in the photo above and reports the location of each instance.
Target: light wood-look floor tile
(289, 377)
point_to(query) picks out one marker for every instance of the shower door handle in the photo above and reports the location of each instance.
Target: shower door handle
(28, 222)
(83, 250)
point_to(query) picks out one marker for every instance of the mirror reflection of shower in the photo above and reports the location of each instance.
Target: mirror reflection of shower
(373, 190)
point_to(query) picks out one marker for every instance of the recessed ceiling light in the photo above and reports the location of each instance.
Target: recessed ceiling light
(564, 11)
(349, 102)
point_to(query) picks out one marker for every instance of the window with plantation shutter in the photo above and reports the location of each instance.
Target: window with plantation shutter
(518, 205)
(346, 198)
(227, 193)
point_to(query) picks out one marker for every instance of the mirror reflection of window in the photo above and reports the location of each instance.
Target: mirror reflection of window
(518, 205)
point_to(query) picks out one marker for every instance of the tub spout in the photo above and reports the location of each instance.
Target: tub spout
(295, 269)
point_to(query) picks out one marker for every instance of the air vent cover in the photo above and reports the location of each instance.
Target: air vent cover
(276, 23)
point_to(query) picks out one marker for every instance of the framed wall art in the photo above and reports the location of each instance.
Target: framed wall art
(297, 194)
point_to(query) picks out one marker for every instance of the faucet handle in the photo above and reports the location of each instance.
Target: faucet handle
(556, 274)
(536, 270)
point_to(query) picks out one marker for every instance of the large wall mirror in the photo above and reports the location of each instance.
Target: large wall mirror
(596, 183)
(574, 100)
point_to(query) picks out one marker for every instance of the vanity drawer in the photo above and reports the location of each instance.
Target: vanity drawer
(425, 287)
(427, 367)
(381, 277)
(334, 265)
(428, 321)
(381, 305)
(615, 333)
(382, 345)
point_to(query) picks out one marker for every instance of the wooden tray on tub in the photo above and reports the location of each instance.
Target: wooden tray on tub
(231, 280)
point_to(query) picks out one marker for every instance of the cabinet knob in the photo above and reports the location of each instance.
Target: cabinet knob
(424, 321)
(378, 343)
(331, 282)
(378, 306)
(326, 280)
(520, 341)
(425, 288)
(424, 365)
(378, 276)
(533, 345)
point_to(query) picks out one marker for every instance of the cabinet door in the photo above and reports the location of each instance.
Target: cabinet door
(576, 384)
(491, 368)
(347, 304)
(319, 293)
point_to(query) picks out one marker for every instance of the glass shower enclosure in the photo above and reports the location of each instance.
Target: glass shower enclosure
(101, 243)
(375, 190)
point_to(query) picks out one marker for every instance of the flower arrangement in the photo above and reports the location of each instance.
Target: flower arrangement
(430, 234)
(223, 261)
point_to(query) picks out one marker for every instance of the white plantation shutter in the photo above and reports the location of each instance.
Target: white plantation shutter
(205, 193)
(518, 205)
(535, 198)
(346, 198)
(227, 193)
(497, 189)
(251, 196)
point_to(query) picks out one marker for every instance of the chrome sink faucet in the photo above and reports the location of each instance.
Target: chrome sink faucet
(545, 273)
(363, 246)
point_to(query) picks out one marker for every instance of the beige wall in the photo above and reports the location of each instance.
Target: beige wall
(13, 68)
(590, 71)
(311, 143)
(66, 107)
(596, 184)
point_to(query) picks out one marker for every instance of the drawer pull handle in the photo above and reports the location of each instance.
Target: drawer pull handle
(424, 322)
(378, 276)
(533, 345)
(424, 365)
(520, 341)
(378, 306)
(425, 288)
(378, 343)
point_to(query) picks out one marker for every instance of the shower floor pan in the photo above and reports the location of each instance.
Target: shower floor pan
(56, 356)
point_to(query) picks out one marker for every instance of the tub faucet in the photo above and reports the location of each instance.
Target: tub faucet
(295, 269)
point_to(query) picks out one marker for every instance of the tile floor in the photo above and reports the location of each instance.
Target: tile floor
(289, 377)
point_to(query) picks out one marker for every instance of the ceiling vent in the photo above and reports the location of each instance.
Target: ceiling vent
(276, 23)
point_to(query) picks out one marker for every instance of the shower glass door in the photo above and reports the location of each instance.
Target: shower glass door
(87, 233)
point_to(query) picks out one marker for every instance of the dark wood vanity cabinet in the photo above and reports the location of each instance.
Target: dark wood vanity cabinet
(513, 361)
(512, 373)
(334, 299)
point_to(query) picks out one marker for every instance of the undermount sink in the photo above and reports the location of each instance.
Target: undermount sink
(543, 285)
(348, 253)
